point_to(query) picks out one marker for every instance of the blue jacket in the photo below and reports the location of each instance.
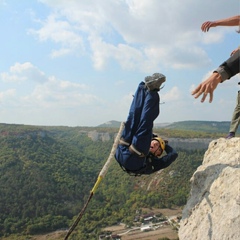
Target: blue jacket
(132, 163)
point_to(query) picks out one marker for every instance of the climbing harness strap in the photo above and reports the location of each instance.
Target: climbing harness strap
(123, 142)
(132, 149)
(136, 173)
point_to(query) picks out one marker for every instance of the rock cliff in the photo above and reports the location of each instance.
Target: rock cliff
(212, 211)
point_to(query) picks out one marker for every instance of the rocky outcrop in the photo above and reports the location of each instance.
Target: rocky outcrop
(190, 143)
(212, 211)
(96, 136)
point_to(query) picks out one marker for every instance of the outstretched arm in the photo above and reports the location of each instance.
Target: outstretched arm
(231, 21)
(225, 71)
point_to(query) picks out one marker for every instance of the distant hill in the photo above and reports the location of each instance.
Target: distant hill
(204, 126)
(110, 124)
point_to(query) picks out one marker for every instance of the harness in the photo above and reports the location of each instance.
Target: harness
(136, 173)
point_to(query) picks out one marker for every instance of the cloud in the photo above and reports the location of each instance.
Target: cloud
(106, 43)
(23, 72)
(61, 52)
(61, 94)
(60, 32)
(140, 34)
(128, 57)
(45, 91)
(7, 96)
(173, 95)
(212, 37)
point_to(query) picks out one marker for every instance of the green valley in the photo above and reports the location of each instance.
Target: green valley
(46, 174)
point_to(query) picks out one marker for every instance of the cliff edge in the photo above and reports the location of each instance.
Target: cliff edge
(212, 211)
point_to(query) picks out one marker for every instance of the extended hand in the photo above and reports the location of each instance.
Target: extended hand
(207, 87)
(206, 25)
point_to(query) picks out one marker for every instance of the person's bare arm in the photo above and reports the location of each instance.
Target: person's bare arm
(232, 21)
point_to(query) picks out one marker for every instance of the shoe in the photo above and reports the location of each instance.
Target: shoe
(155, 81)
(230, 135)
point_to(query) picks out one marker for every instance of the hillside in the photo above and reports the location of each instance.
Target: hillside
(202, 126)
(46, 174)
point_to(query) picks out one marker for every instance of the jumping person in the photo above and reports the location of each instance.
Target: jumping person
(139, 151)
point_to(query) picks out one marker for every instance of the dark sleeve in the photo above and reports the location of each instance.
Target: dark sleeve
(230, 67)
(155, 164)
(171, 154)
(169, 157)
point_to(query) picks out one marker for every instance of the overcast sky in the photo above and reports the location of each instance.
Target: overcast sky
(78, 62)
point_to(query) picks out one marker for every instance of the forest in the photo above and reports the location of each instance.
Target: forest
(46, 174)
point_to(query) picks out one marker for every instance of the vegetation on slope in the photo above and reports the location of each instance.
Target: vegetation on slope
(46, 174)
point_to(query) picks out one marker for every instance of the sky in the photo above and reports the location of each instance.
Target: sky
(78, 62)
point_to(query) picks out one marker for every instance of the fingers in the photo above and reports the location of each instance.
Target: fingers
(198, 94)
(200, 90)
(206, 26)
(207, 87)
(204, 29)
(204, 97)
(211, 97)
(197, 89)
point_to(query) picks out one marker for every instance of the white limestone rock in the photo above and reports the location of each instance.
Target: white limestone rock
(213, 208)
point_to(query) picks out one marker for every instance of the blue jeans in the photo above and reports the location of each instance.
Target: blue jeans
(138, 127)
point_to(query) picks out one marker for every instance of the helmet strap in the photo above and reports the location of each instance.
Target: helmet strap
(157, 149)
